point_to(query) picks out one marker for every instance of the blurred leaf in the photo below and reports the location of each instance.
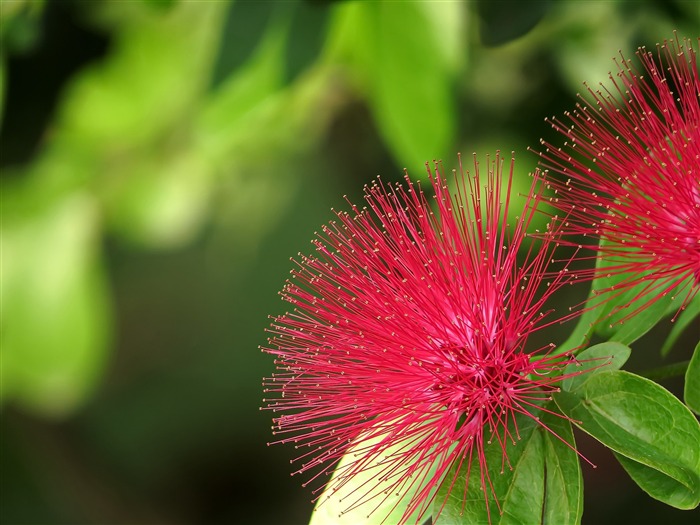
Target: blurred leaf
(642, 421)
(450, 20)
(160, 4)
(411, 96)
(129, 121)
(588, 35)
(151, 82)
(684, 13)
(3, 83)
(243, 32)
(691, 391)
(20, 25)
(253, 123)
(506, 20)
(602, 357)
(55, 313)
(685, 318)
(406, 74)
(223, 119)
(164, 200)
(306, 37)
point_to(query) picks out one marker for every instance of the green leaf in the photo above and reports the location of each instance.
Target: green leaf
(656, 484)
(20, 25)
(507, 20)
(599, 358)
(684, 319)
(629, 330)
(335, 507)
(642, 421)
(596, 308)
(228, 110)
(149, 83)
(246, 25)
(544, 485)
(165, 200)
(163, 5)
(520, 491)
(130, 120)
(409, 83)
(582, 332)
(586, 33)
(55, 312)
(3, 87)
(306, 37)
(563, 502)
(626, 313)
(691, 392)
(628, 316)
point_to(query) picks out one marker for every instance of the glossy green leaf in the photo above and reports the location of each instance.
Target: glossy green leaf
(599, 358)
(629, 330)
(624, 314)
(685, 318)
(596, 309)
(642, 421)
(563, 501)
(657, 484)
(543, 486)
(55, 312)
(520, 491)
(628, 316)
(691, 391)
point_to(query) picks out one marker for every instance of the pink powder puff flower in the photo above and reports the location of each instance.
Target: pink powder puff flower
(407, 339)
(631, 164)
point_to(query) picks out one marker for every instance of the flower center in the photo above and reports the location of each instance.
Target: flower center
(468, 384)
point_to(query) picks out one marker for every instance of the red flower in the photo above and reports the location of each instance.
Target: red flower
(632, 168)
(408, 332)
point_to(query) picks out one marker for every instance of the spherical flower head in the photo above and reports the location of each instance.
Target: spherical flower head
(631, 166)
(407, 341)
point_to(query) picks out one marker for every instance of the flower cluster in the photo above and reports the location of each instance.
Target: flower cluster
(409, 333)
(408, 344)
(631, 174)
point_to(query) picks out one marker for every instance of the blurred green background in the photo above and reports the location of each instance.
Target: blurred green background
(163, 160)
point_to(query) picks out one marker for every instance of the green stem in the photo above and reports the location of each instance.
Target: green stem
(666, 371)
